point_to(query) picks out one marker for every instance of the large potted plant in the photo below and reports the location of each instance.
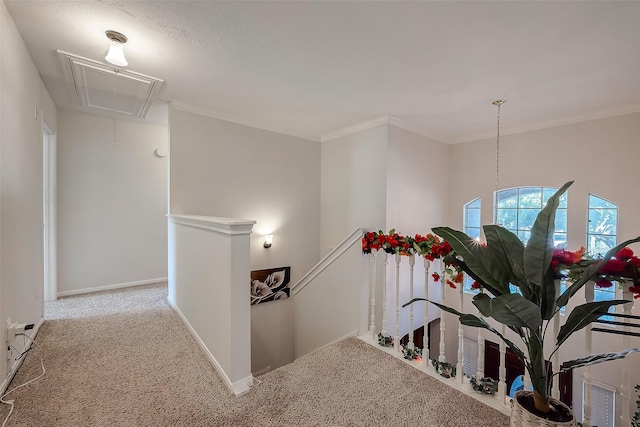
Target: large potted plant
(505, 260)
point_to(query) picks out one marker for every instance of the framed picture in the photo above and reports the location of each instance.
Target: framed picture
(270, 284)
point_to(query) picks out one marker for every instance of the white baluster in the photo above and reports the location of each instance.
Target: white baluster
(555, 362)
(480, 371)
(425, 332)
(625, 387)
(385, 257)
(412, 263)
(442, 357)
(502, 372)
(459, 370)
(527, 380)
(396, 341)
(372, 326)
(586, 403)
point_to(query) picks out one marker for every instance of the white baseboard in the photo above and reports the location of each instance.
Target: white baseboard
(237, 388)
(16, 366)
(110, 287)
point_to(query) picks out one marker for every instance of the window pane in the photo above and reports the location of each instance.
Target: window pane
(603, 221)
(508, 218)
(605, 294)
(530, 198)
(563, 201)
(600, 245)
(474, 204)
(473, 232)
(526, 218)
(602, 228)
(561, 220)
(548, 192)
(524, 236)
(473, 218)
(559, 239)
(508, 198)
(597, 202)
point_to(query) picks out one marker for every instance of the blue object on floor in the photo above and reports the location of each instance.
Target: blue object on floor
(518, 384)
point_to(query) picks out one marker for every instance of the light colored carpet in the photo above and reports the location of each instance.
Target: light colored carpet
(123, 358)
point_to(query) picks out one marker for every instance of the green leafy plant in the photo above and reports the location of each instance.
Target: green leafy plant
(486, 385)
(385, 340)
(445, 369)
(410, 353)
(504, 261)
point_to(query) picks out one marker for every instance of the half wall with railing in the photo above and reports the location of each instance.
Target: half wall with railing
(436, 343)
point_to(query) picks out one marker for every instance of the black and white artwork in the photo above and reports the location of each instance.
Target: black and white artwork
(270, 284)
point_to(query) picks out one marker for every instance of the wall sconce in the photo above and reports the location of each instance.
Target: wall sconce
(268, 240)
(116, 48)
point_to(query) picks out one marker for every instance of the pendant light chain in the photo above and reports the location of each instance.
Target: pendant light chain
(499, 103)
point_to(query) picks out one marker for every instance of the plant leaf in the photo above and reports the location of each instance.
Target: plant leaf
(596, 358)
(548, 295)
(583, 315)
(538, 370)
(510, 309)
(476, 322)
(460, 263)
(479, 260)
(508, 250)
(539, 249)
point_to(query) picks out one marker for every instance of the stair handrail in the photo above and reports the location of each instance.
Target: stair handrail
(328, 259)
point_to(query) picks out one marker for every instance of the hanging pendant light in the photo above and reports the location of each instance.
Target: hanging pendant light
(115, 55)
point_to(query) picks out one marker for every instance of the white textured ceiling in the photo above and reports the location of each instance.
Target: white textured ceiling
(312, 68)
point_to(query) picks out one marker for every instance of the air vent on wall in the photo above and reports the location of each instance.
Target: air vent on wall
(95, 85)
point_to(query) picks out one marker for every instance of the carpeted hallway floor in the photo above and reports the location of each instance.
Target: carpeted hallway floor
(123, 358)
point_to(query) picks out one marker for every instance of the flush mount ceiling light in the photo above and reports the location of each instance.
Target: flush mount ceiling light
(115, 55)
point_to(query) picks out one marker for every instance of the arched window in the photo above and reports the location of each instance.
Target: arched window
(516, 210)
(472, 227)
(602, 235)
(602, 228)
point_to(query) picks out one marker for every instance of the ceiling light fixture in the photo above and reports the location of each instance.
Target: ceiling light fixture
(115, 55)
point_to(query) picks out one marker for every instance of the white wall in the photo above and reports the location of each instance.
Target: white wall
(112, 202)
(415, 191)
(353, 185)
(224, 169)
(21, 204)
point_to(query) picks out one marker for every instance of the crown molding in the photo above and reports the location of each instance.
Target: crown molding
(603, 114)
(387, 119)
(358, 127)
(228, 117)
(411, 127)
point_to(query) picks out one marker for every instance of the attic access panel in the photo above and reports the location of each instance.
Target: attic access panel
(99, 86)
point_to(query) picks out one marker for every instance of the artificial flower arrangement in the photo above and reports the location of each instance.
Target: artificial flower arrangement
(570, 265)
(623, 267)
(429, 246)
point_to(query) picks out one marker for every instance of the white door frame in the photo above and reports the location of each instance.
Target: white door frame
(49, 145)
